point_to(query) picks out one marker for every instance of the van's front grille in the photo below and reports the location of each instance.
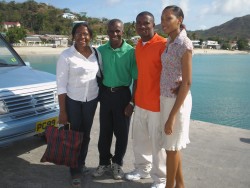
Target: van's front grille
(31, 105)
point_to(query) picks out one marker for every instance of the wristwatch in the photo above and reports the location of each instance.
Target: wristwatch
(132, 104)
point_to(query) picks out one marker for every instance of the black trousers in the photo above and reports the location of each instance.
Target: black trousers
(80, 116)
(113, 121)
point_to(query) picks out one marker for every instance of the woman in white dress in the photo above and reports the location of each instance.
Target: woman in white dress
(175, 108)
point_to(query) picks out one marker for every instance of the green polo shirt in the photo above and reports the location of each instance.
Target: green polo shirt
(119, 66)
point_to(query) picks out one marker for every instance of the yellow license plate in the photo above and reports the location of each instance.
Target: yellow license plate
(41, 125)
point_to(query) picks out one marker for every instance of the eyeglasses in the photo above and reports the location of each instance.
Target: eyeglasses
(81, 34)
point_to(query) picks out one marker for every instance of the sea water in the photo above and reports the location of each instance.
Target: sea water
(220, 87)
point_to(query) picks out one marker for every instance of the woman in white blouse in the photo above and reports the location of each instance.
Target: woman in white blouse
(77, 89)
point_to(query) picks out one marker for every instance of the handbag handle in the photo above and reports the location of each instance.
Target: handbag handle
(65, 127)
(96, 54)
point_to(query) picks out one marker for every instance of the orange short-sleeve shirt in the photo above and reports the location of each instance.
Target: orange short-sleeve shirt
(148, 59)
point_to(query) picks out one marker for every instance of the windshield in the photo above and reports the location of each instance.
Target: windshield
(7, 55)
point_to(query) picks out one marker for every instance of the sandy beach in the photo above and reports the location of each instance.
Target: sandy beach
(38, 50)
(58, 50)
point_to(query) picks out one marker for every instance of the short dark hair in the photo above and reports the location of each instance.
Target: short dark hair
(111, 22)
(85, 24)
(146, 13)
(177, 12)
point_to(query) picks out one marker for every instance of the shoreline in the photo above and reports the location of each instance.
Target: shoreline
(214, 51)
(58, 50)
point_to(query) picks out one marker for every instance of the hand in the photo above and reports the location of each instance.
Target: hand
(176, 89)
(63, 118)
(169, 126)
(129, 110)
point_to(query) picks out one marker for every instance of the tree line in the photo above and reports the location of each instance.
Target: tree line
(41, 18)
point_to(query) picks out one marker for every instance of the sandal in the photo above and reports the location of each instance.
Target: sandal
(76, 182)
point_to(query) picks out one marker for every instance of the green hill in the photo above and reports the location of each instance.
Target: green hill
(41, 18)
(232, 30)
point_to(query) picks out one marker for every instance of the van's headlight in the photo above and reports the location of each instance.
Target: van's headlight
(3, 108)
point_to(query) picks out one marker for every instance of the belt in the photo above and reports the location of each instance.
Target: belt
(114, 89)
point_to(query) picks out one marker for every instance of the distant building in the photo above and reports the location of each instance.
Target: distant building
(69, 16)
(196, 43)
(210, 44)
(33, 40)
(7, 25)
(100, 39)
(58, 40)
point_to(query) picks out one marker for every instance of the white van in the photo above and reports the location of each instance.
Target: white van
(28, 98)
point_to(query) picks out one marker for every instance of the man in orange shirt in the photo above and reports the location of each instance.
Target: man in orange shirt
(150, 158)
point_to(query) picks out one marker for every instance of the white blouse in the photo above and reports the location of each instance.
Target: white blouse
(76, 75)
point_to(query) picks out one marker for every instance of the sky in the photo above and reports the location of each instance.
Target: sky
(199, 14)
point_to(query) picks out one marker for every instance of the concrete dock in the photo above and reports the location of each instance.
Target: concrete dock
(217, 157)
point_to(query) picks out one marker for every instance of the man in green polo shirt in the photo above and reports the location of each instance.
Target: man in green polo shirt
(116, 100)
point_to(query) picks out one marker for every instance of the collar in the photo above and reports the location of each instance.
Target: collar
(73, 49)
(122, 48)
(151, 40)
(180, 38)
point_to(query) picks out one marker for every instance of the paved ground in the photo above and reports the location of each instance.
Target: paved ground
(218, 157)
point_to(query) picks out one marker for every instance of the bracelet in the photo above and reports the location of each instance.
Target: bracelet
(132, 104)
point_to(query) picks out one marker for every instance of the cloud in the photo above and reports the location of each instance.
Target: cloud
(202, 27)
(183, 4)
(217, 12)
(227, 7)
(164, 3)
(112, 2)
